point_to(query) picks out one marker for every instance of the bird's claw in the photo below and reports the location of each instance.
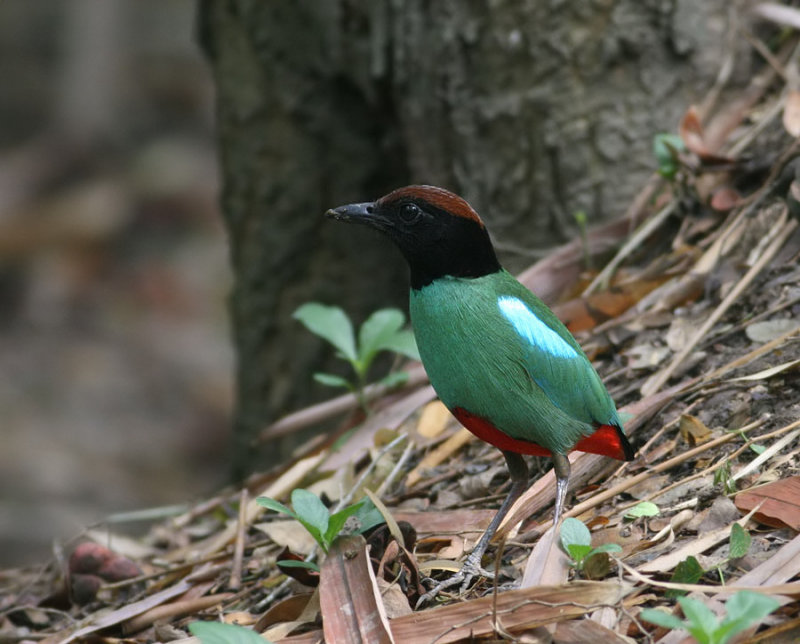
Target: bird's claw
(469, 571)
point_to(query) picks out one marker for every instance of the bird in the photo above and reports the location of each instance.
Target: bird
(496, 355)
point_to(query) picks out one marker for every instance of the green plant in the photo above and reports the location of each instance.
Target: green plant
(382, 331)
(723, 476)
(643, 509)
(742, 610)
(219, 633)
(667, 149)
(581, 220)
(321, 524)
(688, 571)
(577, 543)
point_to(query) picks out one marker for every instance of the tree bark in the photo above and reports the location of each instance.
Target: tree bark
(530, 110)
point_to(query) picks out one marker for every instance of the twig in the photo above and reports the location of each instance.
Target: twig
(660, 379)
(235, 581)
(347, 498)
(334, 406)
(634, 241)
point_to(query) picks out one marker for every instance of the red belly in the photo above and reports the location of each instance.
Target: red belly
(605, 440)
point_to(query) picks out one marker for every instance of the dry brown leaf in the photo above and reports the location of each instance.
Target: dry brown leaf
(516, 609)
(433, 420)
(288, 533)
(307, 615)
(780, 503)
(284, 610)
(439, 455)
(691, 132)
(693, 430)
(547, 563)
(725, 198)
(791, 113)
(346, 579)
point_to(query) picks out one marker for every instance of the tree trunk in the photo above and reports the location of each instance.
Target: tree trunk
(530, 110)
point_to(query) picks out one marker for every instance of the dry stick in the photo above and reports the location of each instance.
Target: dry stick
(749, 357)
(334, 406)
(235, 581)
(786, 229)
(713, 468)
(395, 470)
(634, 241)
(611, 492)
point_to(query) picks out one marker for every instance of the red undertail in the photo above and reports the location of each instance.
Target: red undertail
(606, 440)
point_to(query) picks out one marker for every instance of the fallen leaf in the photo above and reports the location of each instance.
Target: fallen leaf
(781, 503)
(693, 430)
(646, 356)
(768, 373)
(768, 330)
(725, 199)
(433, 420)
(791, 113)
(289, 534)
(691, 131)
(347, 580)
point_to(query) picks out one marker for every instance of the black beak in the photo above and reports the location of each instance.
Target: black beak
(359, 213)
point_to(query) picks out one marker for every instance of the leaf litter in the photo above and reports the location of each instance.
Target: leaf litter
(693, 323)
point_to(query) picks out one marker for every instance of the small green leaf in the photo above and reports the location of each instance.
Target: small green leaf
(331, 324)
(332, 380)
(606, 547)
(662, 619)
(758, 449)
(744, 609)
(275, 506)
(338, 520)
(219, 633)
(368, 515)
(404, 343)
(643, 509)
(373, 335)
(740, 541)
(702, 620)
(573, 532)
(666, 148)
(312, 513)
(687, 571)
(597, 565)
(294, 563)
(578, 551)
(394, 379)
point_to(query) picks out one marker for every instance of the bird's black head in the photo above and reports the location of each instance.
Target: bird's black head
(437, 231)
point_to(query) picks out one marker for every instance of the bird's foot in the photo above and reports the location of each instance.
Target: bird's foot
(469, 571)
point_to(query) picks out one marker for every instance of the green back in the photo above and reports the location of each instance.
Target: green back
(478, 360)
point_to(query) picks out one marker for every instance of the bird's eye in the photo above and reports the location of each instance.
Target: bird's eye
(410, 212)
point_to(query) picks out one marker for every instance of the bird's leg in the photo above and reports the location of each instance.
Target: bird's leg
(518, 470)
(561, 468)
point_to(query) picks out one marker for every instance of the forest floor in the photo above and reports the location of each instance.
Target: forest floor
(694, 323)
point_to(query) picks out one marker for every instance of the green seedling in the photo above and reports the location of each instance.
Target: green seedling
(688, 571)
(643, 509)
(321, 524)
(219, 633)
(742, 610)
(581, 220)
(382, 331)
(667, 149)
(577, 543)
(724, 476)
